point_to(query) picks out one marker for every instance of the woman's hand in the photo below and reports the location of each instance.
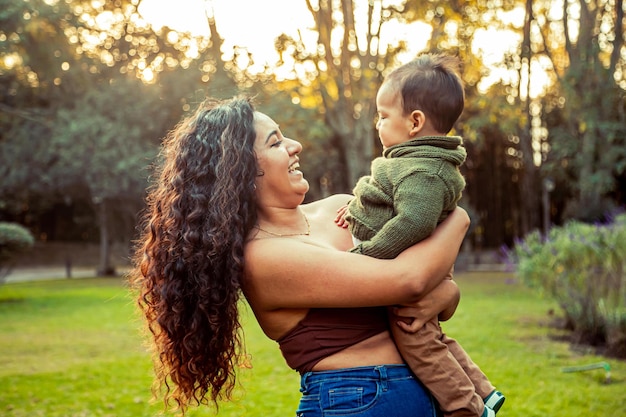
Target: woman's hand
(441, 301)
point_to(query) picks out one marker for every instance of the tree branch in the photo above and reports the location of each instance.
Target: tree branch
(24, 115)
(618, 40)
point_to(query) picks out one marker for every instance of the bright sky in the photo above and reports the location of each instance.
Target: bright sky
(248, 23)
(254, 24)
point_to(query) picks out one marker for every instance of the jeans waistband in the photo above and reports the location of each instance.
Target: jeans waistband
(378, 372)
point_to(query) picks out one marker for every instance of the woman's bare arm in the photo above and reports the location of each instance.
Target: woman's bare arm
(290, 273)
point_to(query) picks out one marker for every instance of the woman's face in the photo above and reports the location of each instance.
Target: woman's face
(280, 182)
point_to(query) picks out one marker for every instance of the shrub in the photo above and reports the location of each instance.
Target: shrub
(14, 240)
(583, 267)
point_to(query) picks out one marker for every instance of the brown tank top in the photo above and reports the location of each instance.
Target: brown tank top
(325, 331)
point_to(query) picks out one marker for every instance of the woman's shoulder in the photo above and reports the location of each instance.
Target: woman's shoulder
(330, 203)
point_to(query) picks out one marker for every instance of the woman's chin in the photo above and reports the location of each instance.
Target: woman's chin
(297, 176)
(303, 186)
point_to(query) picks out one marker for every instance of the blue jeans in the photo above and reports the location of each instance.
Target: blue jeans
(372, 391)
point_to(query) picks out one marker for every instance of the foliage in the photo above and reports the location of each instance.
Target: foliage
(14, 240)
(72, 348)
(104, 144)
(583, 267)
(340, 76)
(106, 140)
(492, 169)
(33, 52)
(58, 58)
(585, 113)
(76, 115)
(34, 71)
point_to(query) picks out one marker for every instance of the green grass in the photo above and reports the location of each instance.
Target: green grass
(72, 348)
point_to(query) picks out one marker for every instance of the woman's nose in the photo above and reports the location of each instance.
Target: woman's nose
(294, 146)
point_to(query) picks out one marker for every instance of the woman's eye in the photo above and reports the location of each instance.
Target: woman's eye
(276, 144)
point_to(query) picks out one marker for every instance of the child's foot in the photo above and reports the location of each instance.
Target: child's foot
(494, 401)
(488, 412)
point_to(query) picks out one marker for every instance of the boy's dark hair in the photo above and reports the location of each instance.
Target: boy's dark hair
(431, 83)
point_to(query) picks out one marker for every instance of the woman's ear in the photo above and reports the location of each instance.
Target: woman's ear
(418, 118)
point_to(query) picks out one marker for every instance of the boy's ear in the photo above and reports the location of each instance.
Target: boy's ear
(418, 118)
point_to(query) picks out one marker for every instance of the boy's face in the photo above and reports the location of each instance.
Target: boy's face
(393, 125)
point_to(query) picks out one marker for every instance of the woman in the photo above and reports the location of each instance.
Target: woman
(224, 217)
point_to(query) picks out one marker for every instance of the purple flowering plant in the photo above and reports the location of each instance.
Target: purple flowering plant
(583, 267)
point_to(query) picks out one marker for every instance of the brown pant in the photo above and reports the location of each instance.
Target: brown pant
(442, 365)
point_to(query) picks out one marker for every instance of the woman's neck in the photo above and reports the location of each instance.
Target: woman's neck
(284, 222)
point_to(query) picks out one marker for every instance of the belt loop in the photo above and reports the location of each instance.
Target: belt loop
(303, 382)
(382, 370)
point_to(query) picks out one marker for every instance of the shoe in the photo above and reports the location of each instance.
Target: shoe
(495, 400)
(488, 412)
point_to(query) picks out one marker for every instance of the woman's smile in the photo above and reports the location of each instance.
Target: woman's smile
(294, 168)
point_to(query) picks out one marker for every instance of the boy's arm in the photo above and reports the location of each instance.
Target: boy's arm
(443, 298)
(418, 203)
(448, 312)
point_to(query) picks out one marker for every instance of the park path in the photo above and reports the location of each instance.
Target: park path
(41, 273)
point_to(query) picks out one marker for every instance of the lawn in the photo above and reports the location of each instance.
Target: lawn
(73, 348)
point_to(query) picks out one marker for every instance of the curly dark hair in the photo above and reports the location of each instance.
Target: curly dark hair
(188, 262)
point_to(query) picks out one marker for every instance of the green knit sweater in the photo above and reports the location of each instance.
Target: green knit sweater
(411, 189)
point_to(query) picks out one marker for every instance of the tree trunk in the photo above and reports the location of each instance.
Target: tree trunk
(588, 116)
(348, 77)
(105, 268)
(529, 192)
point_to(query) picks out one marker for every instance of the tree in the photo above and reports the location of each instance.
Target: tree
(529, 191)
(585, 113)
(14, 240)
(48, 91)
(78, 124)
(105, 142)
(345, 68)
(34, 59)
(493, 169)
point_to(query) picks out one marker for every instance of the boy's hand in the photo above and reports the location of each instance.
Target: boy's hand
(407, 317)
(340, 220)
(441, 302)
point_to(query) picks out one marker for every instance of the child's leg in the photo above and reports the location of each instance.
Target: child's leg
(493, 399)
(482, 385)
(433, 364)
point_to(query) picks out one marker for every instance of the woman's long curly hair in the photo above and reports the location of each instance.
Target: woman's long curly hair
(189, 258)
